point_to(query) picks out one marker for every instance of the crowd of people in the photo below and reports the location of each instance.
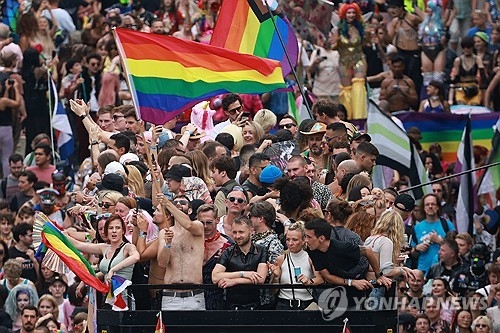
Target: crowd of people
(231, 204)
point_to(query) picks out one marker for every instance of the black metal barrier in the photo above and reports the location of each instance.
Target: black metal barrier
(268, 321)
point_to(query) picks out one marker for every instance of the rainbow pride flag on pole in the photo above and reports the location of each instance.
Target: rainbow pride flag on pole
(168, 75)
(245, 26)
(54, 239)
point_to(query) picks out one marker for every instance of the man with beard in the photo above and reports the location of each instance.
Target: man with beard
(182, 257)
(315, 144)
(9, 185)
(242, 263)
(297, 167)
(215, 244)
(29, 316)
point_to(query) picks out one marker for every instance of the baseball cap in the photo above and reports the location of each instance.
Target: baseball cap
(404, 202)
(114, 167)
(57, 278)
(178, 171)
(361, 136)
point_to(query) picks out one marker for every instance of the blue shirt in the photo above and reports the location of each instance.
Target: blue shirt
(473, 30)
(422, 229)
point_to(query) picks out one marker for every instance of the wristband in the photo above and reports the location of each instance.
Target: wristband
(143, 234)
(83, 116)
(311, 281)
(349, 282)
(94, 142)
(168, 246)
(242, 274)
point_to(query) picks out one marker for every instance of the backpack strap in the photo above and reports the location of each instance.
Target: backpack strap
(444, 224)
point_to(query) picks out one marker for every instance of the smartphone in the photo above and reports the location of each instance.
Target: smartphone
(153, 159)
(246, 114)
(297, 272)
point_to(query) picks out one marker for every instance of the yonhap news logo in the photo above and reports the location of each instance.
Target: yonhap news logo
(333, 303)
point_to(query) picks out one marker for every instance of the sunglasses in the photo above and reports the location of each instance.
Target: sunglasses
(403, 290)
(181, 202)
(105, 204)
(102, 216)
(236, 109)
(239, 200)
(287, 126)
(481, 325)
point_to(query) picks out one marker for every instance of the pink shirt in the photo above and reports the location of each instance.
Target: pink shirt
(44, 174)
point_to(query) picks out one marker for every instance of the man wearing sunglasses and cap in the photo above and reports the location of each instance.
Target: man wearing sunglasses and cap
(47, 205)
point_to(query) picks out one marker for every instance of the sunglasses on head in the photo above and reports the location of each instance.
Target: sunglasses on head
(287, 126)
(239, 200)
(181, 202)
(105, 204)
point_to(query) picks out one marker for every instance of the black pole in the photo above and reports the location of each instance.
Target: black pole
(301, 88)
(449, 177)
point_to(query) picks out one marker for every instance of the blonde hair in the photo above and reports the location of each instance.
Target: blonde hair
(12, 268)
(486, 320)
(135, 181)
(391, 224)
(257, 130)
(200, 166)
(52, 300)
(235, 132)
(265, 118)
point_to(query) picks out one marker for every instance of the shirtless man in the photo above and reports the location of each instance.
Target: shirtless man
(149, 250)
(398, 90)
(402, 32)
(180, 251)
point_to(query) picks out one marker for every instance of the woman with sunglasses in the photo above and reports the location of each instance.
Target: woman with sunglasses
(482, 324)
(295, 267)
(108, 200)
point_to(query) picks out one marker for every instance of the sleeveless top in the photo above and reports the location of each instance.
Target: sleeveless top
(301, 260)
(125, 272)
(429, 108)
(471, 72)
(350, 50)
(4, 283)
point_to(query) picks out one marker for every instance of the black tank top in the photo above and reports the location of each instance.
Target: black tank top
(471, 72)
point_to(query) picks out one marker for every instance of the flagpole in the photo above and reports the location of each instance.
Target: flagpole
(449, 177)
(51, 116)
(301, 87)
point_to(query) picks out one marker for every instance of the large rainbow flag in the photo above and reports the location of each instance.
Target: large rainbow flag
(168, 75)
(245, 26)
(447, 129)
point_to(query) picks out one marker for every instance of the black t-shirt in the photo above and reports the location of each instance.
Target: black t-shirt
(340, 257)
(234, 260)
(28, 266)
(250, 187)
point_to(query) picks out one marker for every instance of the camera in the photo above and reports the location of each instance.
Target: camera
(11, 82)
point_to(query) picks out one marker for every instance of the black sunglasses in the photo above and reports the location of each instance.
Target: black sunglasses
(105, 204)
(287, 126)
(239, 200)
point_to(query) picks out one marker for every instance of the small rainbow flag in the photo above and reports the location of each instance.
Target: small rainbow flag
(114, 296)
(168, 75)
(245, 26)
(54, 239)
(447, 129)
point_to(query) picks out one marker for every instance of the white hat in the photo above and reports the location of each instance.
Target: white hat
(128, 157)
(114, 167)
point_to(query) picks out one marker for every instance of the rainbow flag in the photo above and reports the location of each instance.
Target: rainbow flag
(447, 129)
(168, 75)
(245, 26)
(114, 296)
(54, 239)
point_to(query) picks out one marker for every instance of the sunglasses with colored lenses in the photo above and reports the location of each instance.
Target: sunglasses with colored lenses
(239, 200)
(102, 216)
(180, 202)
(287, 126)
(105, 205)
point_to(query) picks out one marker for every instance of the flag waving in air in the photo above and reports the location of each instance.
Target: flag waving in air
(168, 75)
(245, 26)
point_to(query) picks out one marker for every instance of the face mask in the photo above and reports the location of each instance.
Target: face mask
(478, 263)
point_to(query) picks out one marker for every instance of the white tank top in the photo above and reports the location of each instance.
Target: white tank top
(301, 260)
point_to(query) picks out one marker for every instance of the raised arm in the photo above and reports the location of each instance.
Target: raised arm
(87, 247)
(194, 227)
(164, 243)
